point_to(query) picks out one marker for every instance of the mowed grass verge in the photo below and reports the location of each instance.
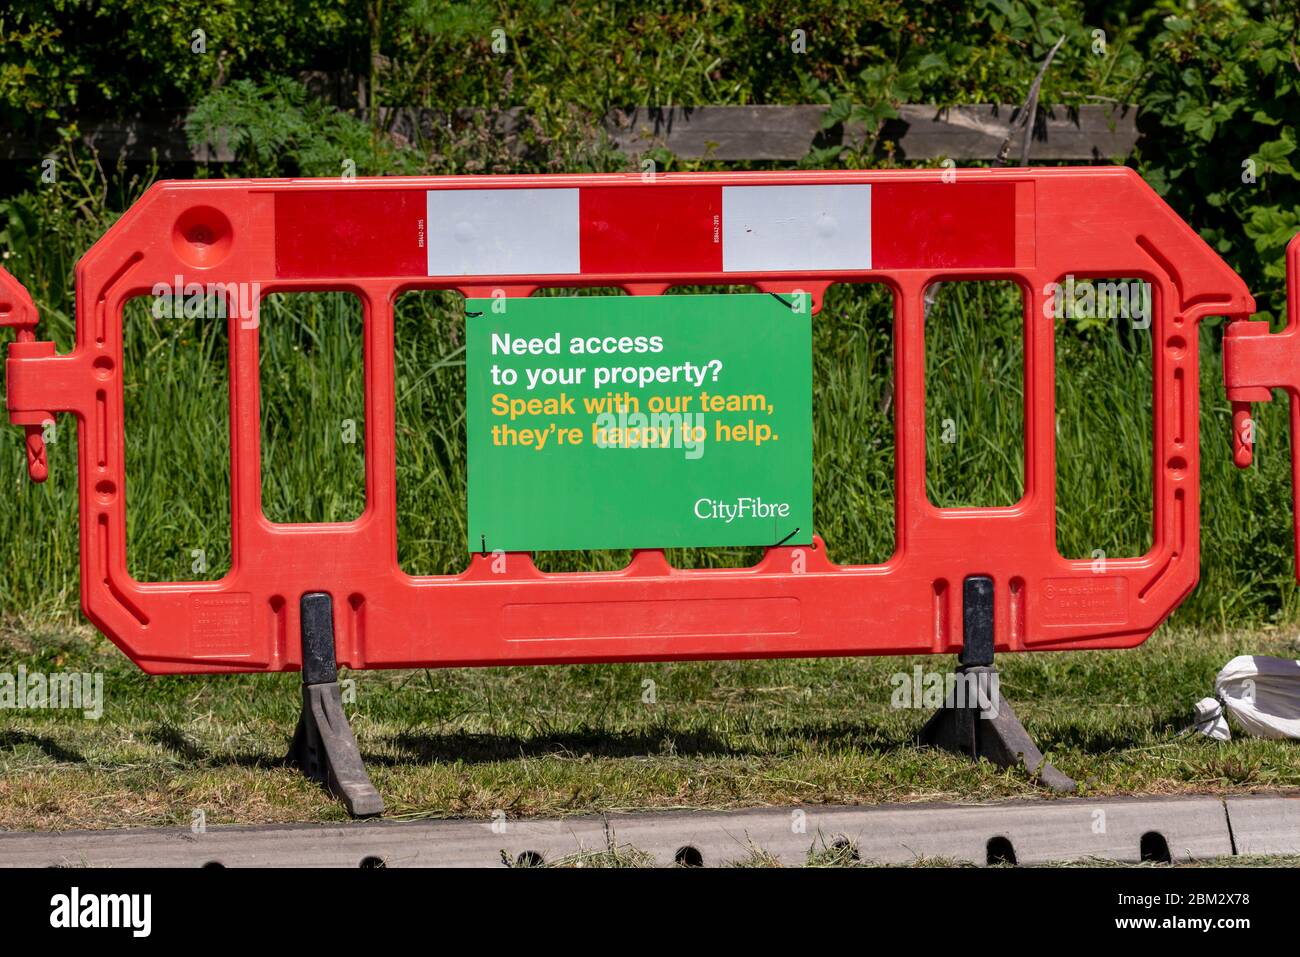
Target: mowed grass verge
(587, 739)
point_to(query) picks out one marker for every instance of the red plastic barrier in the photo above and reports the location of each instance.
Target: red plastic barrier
(376, 237)
(19, 312)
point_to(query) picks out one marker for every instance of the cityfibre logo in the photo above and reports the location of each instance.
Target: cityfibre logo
(719, 510)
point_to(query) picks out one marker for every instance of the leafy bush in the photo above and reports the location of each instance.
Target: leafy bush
(1222, 98)
(1218, 84)
(277, 130)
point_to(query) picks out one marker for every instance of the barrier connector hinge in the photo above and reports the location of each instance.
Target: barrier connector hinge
(18, 311)
(1255, 362)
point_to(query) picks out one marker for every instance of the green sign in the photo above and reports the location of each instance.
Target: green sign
(639, 421)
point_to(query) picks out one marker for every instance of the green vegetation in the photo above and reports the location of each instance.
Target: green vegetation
(581, 739)
(1218, 87)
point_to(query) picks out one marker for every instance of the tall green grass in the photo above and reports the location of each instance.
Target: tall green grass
(177, 418)
(974, 396)
(311, 374)
(313, 407)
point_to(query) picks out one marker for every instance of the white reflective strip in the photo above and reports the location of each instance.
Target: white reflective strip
(768, 228)
(502, 232)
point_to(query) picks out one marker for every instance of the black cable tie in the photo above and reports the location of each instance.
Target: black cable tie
(787, 538)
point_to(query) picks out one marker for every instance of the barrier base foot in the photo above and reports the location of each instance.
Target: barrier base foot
(978, 722)
(326, 750)
(324, 746)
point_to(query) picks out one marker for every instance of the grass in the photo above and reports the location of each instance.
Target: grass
(580, 739)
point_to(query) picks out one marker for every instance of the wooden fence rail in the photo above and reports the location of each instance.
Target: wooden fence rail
(1094, 134)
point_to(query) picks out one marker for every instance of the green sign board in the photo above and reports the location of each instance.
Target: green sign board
(639, 421)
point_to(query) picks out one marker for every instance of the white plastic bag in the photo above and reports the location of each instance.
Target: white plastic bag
(1261, 692)
(1211, 721)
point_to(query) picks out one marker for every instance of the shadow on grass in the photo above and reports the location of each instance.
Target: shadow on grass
(423, 748)
(1089, 738)
(417, 747)
(429, 748)
(51, 748)
(169, 737)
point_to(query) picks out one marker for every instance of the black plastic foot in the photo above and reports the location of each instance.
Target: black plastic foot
(323, 744)
(976, 720)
